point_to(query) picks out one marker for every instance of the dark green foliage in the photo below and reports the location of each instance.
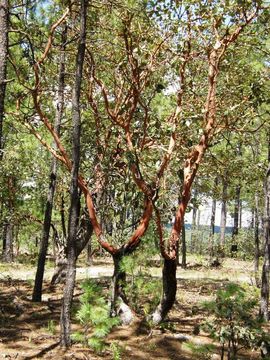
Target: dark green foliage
(93, 314)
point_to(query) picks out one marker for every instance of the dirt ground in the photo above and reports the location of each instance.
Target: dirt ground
(30, 330)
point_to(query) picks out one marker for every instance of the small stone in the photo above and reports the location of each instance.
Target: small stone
(181, 337)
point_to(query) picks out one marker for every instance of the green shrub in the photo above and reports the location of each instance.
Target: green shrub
(234, 323)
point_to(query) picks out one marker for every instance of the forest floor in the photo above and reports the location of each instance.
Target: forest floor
(30, 330)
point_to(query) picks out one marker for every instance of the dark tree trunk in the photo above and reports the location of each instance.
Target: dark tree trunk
(7, 222)
(8, 239)
(3, 65)
(169, 291)
(212, 226)
(63, 221)
(264, 306)
(4, 235)
(256, 240)
(223, 215)
(74, 193)
(119, 304)
(8, 242)
(37, 292)
(184, 248)
(89, 253)
(83, 238)
(240, 214)
(236, 211)
(193, 225)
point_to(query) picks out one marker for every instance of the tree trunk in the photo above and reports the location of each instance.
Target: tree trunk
(223, 215)
(119, 304)
(169, 291)
(212, 226)
(236, 213)
(3, 65)
(83, 237)
(256, 240)
(37, 292)
(240, 214)
(74, 193)
(184, 248)
(9, 221)
(89, 253)
(193, 237)
(264, 311)
(8, 242)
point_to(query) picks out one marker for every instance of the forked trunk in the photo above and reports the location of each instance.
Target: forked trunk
(169, 283)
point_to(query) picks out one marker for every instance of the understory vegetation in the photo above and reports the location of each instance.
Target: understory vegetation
(134, 179)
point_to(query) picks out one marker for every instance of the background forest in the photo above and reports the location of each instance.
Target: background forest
(116, 119)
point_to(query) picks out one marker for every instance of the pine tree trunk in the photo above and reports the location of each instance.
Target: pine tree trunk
(37, 291)
(256, 240)
(236, 211)
(212, 227)
(193, 224)
(65, 321)
(83, 238)
(8, 242)
(169, 291)
(9, 221)
(236, 220)
(7, 227)
(264, 306)
(223, 215)
(3, 65)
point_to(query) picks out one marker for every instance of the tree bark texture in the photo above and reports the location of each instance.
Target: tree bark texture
(184, 248)
(3, 65)
(256, 240)
(193, 224)
(223, 215)
(236, 211)
(37, 292)
(83, 238)
(65, 321)
(169, 287)
(8, 242)
(264, 303)
(212, 226)
(119, 304)
(8, 239)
